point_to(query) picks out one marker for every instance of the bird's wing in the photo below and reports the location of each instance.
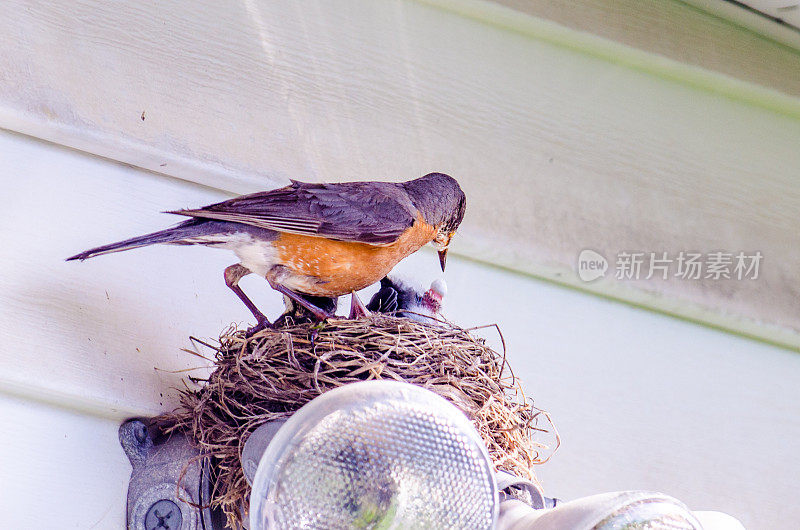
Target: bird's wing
(367, 212)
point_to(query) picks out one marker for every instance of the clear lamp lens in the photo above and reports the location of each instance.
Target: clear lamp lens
(375, 455)
(653, 512)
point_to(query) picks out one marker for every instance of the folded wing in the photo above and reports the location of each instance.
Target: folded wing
(376, 213)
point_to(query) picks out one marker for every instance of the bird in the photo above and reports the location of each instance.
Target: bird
(398, 297)
(316, 239)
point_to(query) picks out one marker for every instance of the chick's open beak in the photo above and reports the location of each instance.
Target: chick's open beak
(442, 258)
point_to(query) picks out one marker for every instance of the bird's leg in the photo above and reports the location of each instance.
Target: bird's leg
(295, 313)
(233, 274)
(357, 309)
(321, 314)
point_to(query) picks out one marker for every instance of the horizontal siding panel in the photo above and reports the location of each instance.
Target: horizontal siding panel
(558, 149)
(641, 400)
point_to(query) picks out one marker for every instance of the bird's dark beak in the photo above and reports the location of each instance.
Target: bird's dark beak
(442, 258)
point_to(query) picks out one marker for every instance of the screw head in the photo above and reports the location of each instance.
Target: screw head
(163, 515)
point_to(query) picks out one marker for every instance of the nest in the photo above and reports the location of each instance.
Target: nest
(275, 372)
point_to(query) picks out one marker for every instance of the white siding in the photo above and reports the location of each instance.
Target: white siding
(562, 139)
(641, 400)
(59, 468)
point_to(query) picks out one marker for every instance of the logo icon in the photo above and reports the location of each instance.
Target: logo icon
(591, 265)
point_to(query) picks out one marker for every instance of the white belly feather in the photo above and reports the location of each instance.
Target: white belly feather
(258, 256)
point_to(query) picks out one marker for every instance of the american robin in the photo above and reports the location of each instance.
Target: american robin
(318, 239)
(396, 296)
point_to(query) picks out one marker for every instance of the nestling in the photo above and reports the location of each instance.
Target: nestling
(395, 296)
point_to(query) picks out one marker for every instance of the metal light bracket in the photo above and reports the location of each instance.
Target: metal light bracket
(160, 463)
(169, 486)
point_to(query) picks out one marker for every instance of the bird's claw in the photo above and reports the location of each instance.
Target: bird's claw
(261, 325)
(320, 314)
(357, 309)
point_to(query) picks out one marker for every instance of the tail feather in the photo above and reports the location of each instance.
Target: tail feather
(169, 235)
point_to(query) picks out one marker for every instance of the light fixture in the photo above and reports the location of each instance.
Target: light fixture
(624, 510)
(377, 455)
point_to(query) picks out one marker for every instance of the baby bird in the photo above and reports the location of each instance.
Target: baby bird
(397, 297)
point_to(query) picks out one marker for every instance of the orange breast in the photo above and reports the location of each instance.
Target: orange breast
(322, 267)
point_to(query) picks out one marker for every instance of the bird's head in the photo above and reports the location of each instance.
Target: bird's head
(442, 203)
(433, 297)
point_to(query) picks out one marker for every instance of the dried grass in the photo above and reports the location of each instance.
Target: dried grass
(275, 372)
